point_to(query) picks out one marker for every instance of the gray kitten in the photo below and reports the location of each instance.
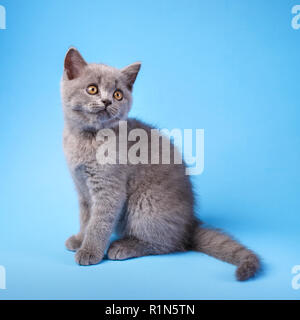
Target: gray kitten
(151, 206)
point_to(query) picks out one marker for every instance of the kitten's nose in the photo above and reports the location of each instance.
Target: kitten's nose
(106, 102)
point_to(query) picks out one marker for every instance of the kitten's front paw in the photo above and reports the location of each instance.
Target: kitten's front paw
(73, 243)
(85, 257)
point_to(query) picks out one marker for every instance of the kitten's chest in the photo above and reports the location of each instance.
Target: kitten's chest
(79, 151)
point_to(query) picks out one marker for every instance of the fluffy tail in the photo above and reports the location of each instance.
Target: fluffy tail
(221, 246)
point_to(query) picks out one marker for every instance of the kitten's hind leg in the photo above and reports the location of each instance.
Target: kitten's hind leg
(74, 242)
(131, 247)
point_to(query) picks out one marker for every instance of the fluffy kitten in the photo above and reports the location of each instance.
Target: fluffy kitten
(150, 205)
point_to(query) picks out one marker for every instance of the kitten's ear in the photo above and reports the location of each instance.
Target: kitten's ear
(131, 73)
(74, 63)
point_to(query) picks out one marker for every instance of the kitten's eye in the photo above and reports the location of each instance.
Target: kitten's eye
(118, 95)
(92, 89)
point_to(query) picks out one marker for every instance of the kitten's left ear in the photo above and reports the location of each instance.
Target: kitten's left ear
(131, 73)
(74, 63)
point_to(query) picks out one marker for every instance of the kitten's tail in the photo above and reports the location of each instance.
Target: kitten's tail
(221, 246)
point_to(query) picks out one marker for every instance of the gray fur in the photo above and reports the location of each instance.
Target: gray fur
(150, 206)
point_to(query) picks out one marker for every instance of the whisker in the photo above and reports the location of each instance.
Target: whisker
(113, 110)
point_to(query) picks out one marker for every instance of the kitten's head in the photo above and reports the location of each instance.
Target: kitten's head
(96, 96)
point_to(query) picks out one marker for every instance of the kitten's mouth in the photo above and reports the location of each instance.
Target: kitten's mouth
(96, 108)
(102, 114)
(91, 109)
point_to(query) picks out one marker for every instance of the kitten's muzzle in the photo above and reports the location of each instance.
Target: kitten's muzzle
(96, 108)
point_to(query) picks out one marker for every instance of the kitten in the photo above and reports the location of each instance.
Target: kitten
(150, 205)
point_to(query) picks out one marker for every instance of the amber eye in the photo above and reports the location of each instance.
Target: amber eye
(118, 95)
(92, 89)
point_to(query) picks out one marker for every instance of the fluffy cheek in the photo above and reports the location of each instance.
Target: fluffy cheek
(126, 105)
(77, 101)
(121, 109)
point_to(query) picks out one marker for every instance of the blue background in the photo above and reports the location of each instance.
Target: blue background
(229, 67)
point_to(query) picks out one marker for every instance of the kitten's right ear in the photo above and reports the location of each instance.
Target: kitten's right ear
(74, 64)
